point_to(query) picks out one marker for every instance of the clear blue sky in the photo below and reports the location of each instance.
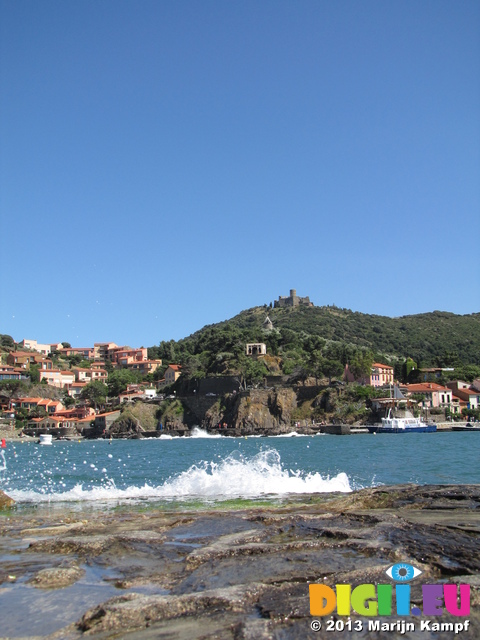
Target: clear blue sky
(165, 165)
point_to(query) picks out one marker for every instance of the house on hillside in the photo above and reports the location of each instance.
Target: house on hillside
(11, 373)
(59, 422)
(90, 375)
(172, 373)
(57, 378)
(124, 356)
(48, 405)
(436, 395)
(102, 350)
(76, 388)
(381, 375)
(144, 367)
(467, 396)
(77, 412)
(82, 374)
(87, 353)
(434, 372)
(44, 349)
(104, 420)
(23, 360)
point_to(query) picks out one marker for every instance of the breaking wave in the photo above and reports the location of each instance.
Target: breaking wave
(234, 477)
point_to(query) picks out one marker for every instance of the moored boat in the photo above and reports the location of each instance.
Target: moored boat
(391, 424)
(45, 438)
(465, 427)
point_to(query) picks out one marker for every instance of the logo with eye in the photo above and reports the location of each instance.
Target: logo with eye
(402, 572)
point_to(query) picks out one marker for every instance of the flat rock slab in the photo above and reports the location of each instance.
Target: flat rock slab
(236, 574)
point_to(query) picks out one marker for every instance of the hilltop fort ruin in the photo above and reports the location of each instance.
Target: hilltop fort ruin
(292, 300)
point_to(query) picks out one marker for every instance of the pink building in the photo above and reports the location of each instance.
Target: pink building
(381, 375)
(57, 378)
(124, 356)
(436, 395)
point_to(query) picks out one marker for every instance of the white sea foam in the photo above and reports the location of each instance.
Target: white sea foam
(233, 477)
(291, 434)
(201, 433)
(261, 475)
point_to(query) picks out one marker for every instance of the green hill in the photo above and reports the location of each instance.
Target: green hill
(303, 336)
(433, 338)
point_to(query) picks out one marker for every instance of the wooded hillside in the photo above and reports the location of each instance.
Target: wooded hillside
(307, 337)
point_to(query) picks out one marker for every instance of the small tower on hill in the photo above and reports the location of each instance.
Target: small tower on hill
(267, 325)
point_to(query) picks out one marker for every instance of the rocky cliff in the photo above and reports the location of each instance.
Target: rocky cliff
(249, 412)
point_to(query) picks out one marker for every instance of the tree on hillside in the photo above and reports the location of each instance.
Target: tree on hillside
(301, 374)
(95, 392)
(119, 379)
(192, 367)
(315, 359)
(6, 341)
(252, 371)
(331, 368)
(361, 364)
(67, 400)
(34, 373)
(10, 387)
(37, 412)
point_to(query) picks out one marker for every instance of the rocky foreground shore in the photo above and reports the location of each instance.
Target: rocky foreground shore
(240, 573)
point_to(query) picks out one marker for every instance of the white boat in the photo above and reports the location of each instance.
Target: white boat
(391, 424)
(45, 438)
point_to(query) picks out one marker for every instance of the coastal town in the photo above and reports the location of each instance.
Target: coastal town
(73, 397)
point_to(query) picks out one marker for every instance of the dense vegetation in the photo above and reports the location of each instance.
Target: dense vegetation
(319, 341)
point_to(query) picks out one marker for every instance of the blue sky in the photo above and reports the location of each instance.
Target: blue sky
(165, 165)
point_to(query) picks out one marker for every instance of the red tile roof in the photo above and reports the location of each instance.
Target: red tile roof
(426, 387)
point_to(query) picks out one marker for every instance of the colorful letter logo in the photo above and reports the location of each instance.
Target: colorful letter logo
(373, 600)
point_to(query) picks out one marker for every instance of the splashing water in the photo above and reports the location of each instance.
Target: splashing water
(235, 476)
(2, 456)
(201, 433)
(262, 475)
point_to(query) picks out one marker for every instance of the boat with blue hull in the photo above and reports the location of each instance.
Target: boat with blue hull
(391, 424)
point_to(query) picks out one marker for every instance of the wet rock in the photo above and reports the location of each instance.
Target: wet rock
(245, 574)
(5, 501)
(135, 610)
(57, 578)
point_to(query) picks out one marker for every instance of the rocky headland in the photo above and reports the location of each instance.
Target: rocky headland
(236, 573)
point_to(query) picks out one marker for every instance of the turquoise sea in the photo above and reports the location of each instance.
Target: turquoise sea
(209, 469)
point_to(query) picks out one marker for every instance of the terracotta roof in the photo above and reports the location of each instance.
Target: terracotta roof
(426, 386)
(47, 402)
(382, 366)
(25, 353)
(467, 391)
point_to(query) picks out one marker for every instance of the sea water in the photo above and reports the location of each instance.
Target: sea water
(210, 469)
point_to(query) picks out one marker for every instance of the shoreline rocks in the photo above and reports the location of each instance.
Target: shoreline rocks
(238, 573)
(5, 501)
